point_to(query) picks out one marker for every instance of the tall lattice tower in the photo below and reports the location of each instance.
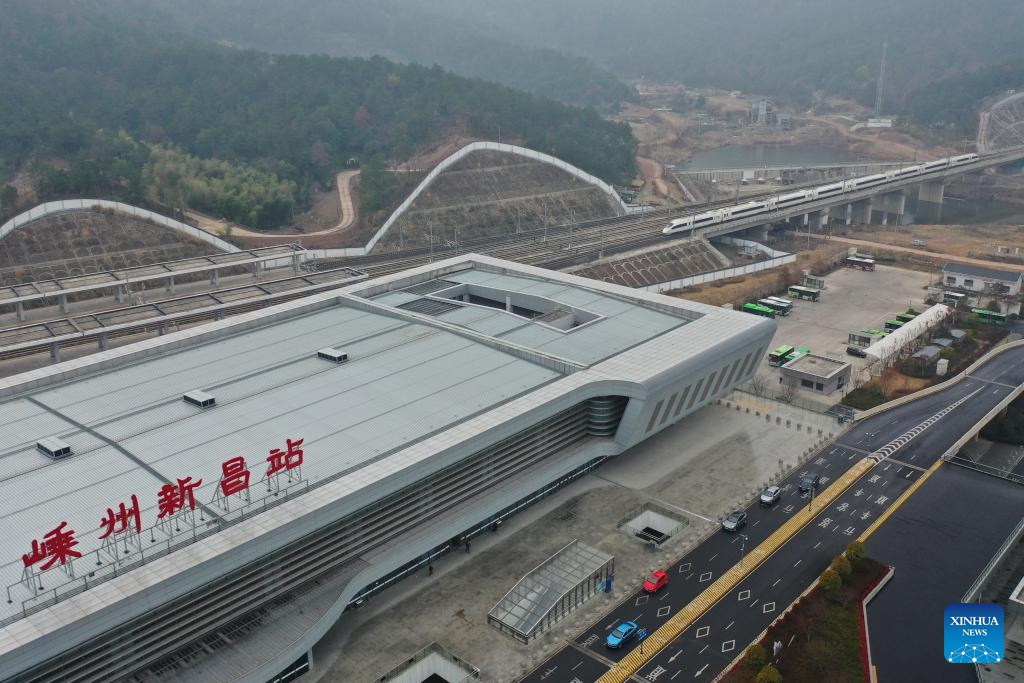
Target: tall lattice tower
(880, 91)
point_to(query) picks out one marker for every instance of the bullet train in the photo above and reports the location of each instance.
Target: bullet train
(695, 222)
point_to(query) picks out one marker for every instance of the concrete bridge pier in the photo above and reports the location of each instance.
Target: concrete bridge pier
(820, 219)
(19, 309)
(892, 204)
(862, 211)
(170, 285)
(842, 213)
(758, 233)
(929, 201)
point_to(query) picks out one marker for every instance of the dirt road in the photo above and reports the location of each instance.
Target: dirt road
(346, 219)
(923, 252)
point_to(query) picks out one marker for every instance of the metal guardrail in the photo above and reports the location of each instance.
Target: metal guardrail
(986, 469)
(975, 590)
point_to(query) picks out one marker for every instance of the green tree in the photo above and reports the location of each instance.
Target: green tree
(755, 657)
(842, 567)
(768, 674)
(8, 201)
(855, 552)
(830, 581)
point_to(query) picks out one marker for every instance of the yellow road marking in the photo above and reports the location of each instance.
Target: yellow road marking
(683, 619)
(899, 501)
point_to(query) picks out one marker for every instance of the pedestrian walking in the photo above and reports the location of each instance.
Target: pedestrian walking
(467, 545)
(430, 570)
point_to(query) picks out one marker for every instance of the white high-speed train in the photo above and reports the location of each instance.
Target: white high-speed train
(785, 201)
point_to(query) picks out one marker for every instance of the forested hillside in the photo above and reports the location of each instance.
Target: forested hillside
(291, 120)
(953, 102)
(397, 29)
(785, 48)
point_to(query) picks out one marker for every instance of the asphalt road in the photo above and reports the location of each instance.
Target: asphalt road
(706, 648)
(960, 542)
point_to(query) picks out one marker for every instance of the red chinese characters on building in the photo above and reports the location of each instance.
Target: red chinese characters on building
(57, 545)
(172, 499)
(285, 460)
(119, 521)
(236, 476)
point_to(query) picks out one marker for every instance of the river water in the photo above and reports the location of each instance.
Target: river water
(760, 155)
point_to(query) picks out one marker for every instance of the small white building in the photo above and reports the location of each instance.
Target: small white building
(981, 279)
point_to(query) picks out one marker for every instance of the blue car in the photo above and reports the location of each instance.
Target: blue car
(621, 635)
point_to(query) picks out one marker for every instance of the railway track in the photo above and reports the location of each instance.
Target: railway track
(556, 247)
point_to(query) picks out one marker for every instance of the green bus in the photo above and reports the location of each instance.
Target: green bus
(989, 317)
(778, 356)
(758, 309)
(797, 352)
(808, 293)
(777, 306)
(871, 330)
(906, 317)
(893, 325)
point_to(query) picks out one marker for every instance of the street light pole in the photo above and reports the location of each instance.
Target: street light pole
(743, 548)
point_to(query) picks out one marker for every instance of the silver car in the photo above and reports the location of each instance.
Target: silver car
(735, 521)
(770, 496)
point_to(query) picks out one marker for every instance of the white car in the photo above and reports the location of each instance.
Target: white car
(770, 496)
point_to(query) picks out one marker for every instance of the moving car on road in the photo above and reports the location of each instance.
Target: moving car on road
(621, 635)
(735, 521)
(770, 496)
(809, 482)
(655, 582)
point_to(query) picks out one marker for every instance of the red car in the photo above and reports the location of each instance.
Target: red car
(655, 582)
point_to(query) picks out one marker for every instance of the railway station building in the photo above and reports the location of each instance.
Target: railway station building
(205, 505)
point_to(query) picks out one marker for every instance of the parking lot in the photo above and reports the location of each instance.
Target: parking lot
(852, 300)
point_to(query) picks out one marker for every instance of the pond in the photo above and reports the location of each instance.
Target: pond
(761, 155)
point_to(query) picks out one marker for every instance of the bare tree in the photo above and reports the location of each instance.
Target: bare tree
(787, 393)
(759, 386)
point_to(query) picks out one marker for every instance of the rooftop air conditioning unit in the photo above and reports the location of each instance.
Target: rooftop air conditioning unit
(199, 398)
(53, 448)
(333, 355)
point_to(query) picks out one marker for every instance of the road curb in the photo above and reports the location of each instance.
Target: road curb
(683, 619)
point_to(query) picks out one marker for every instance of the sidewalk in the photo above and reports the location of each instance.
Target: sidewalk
(709, 464)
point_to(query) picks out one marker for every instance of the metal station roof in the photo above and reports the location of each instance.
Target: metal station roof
(34, 291)
(43, 333)
(414, 386)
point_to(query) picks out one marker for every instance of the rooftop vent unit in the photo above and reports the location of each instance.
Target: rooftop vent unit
(53, 448)
(333, 355)
(199, 398)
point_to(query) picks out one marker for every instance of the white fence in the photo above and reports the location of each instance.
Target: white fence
(766, 250)
(722, 274)
(50, 208)
(454, 158)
